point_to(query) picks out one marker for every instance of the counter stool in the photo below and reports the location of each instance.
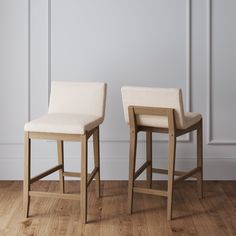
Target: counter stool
(159, 110)
(75, 112)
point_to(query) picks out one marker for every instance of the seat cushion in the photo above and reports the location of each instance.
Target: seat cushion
(190, 119)
(63, 123)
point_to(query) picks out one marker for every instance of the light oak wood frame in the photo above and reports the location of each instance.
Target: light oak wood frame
(173, 133)
(86, 178)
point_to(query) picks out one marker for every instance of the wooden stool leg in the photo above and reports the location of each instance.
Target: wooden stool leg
(149, 157)
(96, 149)
(83, 190)
(132, 160)
(171, 169)
(60, 151)
(26, 197)
(200, 160)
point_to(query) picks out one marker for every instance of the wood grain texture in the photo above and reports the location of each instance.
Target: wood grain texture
(171, 169)
(132, 160)
(214, 215)
(133, 112)
(149, 158)
(96, 150)
(27, 168)
(60, 151)
(200, 159)
(86, 178)
(83, 184)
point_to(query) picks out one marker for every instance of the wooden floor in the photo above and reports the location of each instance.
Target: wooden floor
(214, 215)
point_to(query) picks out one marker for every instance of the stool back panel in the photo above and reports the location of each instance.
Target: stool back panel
(154, 97)
(78, 98)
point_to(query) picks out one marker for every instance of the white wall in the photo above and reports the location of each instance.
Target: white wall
(163, 43)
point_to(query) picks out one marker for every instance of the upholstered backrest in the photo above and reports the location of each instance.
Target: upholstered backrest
(78, 98)
(154, 97)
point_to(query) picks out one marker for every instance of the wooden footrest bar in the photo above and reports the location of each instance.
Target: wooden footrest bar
(71, 174)
(91, 176)
(177, 173)
(77, 174)
(45, 173)
(188, 174)
(141, 169)
(55, 195)
(150, 191)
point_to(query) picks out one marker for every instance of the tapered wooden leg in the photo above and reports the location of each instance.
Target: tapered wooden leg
(149, 157)
(132, 160)
(83, 189)
(96, 149)
(200, 160)
(26, 197)
(60, 150)
(171, 169)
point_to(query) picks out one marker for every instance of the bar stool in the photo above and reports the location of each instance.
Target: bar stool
(75, 112)
(159, 110)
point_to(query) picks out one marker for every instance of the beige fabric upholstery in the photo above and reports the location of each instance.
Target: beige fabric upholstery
(78, 98)
(74, 108)
(158, 97)
(63, 123)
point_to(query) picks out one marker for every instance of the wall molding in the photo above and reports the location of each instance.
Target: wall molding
(210, 138)
(49, 47)
(28, 72)
(188, 99)
(29, 60)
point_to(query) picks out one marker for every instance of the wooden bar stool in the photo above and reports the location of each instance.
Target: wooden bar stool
(75, 112)
(159, 110)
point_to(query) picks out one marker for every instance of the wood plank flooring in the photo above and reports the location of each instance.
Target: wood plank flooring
(214, 215)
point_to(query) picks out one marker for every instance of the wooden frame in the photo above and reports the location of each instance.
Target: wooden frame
(173, 133)
(86, 178)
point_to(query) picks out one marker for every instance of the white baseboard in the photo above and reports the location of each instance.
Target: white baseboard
(117, 169)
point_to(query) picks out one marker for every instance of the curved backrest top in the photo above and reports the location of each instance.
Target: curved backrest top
(78, 98)
(154, 97)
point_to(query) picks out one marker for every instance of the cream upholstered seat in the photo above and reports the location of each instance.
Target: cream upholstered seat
(75, 112)
(73, 109)
(158, 97)
(191, 118)
(159, 110)
(64, 123)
